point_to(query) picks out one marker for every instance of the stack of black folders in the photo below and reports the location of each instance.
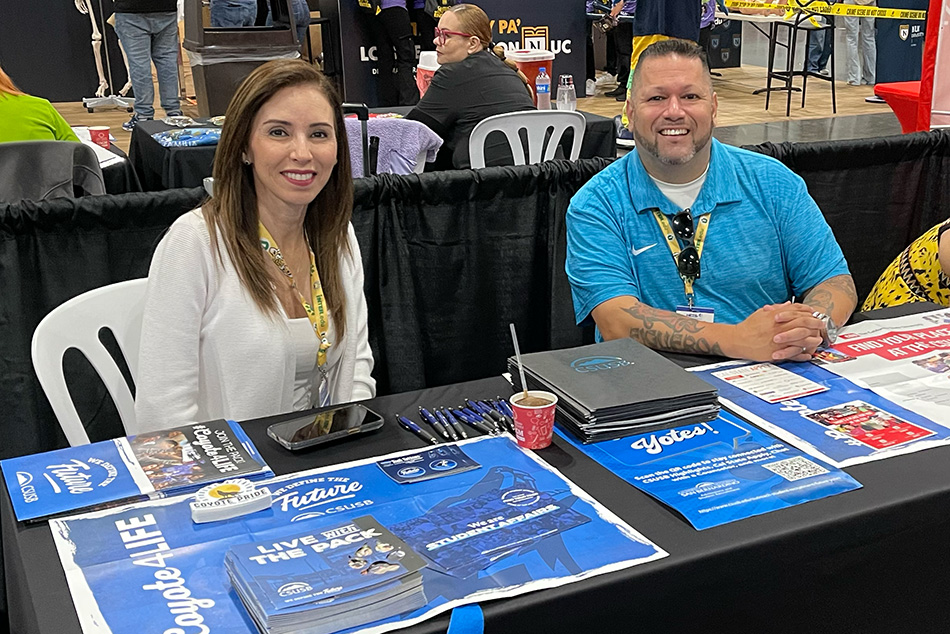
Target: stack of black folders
(335, 577)
(617, 388)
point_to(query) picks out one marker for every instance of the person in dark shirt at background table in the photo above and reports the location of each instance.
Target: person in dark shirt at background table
(473, 83)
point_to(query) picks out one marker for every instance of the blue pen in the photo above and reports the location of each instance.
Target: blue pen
(505, 407)
(436, 425)
(491, 411)
(483, 419)
(445, 423)
(474, 421)
(418, 431)
(479, 410)
(457, 426)
(507, 420)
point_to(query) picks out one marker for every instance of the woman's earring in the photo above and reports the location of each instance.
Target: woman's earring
(244, 158)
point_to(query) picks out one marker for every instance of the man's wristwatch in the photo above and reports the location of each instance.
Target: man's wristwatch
(831, 330)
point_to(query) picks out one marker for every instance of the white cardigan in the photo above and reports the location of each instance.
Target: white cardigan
(209, 352)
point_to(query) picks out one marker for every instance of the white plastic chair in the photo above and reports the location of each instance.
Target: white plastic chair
(536, 123)
(77, 324)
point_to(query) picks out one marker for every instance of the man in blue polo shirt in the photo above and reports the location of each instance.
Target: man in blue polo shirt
(689, 245)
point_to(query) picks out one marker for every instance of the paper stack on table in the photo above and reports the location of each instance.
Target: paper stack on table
(617, 388)
(331, 578)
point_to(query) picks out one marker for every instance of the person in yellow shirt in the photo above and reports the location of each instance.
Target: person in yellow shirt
(917, 274)
(29, 118)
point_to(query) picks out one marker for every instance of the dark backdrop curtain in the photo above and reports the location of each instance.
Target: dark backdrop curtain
(878, 195)
(451, 258)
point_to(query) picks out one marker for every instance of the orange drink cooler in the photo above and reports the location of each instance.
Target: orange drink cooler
(530, 61)
(425, 70)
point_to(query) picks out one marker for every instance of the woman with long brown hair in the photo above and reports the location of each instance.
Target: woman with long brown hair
(474, 82)
(29, 118)
(255, 301)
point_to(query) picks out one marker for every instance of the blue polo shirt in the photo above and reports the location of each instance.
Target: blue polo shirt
(767, 240)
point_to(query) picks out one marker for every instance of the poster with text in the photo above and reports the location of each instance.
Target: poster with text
(719, 472)
(511, 526)
(843, 425)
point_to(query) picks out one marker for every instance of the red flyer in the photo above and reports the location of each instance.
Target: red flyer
(869, 425)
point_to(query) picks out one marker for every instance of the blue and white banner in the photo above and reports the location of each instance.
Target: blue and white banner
(149, 563)
(153, 464)
(844, 425)
(718, 472)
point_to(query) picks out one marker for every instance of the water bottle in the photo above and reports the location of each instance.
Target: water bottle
(566, 98)
(542, 88)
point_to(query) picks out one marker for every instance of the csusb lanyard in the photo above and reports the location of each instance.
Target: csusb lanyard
(698, 239)
(316, 308)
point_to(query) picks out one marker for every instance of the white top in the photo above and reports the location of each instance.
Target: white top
(209, 352)
(685, 194)
(304, 340)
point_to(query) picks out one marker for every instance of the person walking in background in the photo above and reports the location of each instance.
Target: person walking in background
(395, 51)
(233, 13)
(862, 47)
(425, 25)
(29, 118)
(819, 47)
(622, 35)
(148, 32)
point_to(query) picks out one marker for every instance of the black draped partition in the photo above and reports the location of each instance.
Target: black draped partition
(878, 195)
(50, 252)
(451, 258)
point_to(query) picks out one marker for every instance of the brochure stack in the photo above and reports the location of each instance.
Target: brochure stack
(328, 579)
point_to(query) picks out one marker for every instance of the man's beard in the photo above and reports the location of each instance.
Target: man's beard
(653, 149)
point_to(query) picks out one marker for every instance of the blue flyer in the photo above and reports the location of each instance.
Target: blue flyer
(152, 464)
(149, 563)
(844, 425)
(718, 472)
(432, 462)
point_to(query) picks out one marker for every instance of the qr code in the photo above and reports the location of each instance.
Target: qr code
(797, 468)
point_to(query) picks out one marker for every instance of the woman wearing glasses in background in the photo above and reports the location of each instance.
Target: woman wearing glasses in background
(473, 83)
(254, 304)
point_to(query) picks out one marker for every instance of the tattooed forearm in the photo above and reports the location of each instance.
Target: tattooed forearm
(834, 293)
(662, 330)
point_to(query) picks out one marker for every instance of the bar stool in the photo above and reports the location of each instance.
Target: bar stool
(799, 23)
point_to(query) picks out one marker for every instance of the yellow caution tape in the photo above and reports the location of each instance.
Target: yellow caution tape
(823, 8)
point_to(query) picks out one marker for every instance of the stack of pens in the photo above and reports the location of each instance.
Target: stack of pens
(449, 424)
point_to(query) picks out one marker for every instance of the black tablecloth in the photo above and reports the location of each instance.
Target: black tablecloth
(872, 560)
(120, 177)
(162, 168)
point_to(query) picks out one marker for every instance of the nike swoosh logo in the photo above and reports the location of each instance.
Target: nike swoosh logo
(637, 251)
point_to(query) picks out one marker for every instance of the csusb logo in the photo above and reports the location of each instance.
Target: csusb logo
(295, 587)
(596, 364)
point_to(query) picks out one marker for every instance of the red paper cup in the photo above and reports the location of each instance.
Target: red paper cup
(534, 424)
(99, 134)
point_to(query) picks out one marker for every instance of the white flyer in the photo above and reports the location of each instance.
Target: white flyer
(769, 382)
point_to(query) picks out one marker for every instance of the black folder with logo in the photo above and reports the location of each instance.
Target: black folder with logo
(618, 388)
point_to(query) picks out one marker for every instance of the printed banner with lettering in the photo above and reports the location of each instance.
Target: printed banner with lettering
(719, 472)
(154, 464)
(511, 526)
(905, 360)
(842, 423)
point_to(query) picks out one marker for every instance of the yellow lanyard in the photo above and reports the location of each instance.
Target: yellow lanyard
(702, 225)
(318, 318)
